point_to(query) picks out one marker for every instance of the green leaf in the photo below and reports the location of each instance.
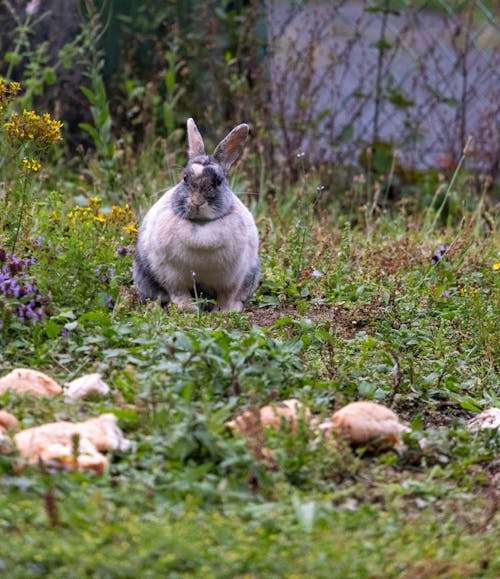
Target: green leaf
(96, 317)
(50, 75)
(13, 57)
(89, 94)
(92, 131)
(52, 329)
(305, 512)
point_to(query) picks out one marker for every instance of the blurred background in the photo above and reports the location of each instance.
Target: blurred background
(331, 87)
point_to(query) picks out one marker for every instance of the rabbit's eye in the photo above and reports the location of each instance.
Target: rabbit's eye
(218, 180)
(185, 178)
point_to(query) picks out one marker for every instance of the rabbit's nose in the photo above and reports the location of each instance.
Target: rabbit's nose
(197, 201)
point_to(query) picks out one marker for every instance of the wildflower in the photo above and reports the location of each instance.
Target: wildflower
(18, 290)
(496, 266)
(7, 93)
(445, 294)
(121, 214)
(105, 276)
(43, 130)
(471, 292)
(32, 7)
(124, 251)
(32, 164)
(85, 215)
(438, 255)
(130, 228)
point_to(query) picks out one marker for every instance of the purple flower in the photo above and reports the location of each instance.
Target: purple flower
(103, 275)
(445, 294)
(124, 251)
(32, 7)
(438, 255)
(18, 290)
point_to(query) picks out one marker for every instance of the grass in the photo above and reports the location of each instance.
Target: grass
(348, 308)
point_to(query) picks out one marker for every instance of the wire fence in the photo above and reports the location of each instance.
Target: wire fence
(333, 82)
(420, 77)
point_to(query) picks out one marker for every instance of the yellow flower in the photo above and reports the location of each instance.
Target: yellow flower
(31, 127)
(32, 164)
(94, 201)
(7, 93)
(121, 214)
(496, 266)
(130, 228)
(472, 292)
(100, 217)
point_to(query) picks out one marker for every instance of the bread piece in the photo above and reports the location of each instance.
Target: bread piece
(366, 423)
(272, 415)
(63, 456)
(28, 381)
(87, 385)
(103, 432)
(7, 421)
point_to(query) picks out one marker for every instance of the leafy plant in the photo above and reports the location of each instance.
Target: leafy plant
(23, 138)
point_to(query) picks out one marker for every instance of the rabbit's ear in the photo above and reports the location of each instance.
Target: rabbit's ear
(231, 147)
(195, 141)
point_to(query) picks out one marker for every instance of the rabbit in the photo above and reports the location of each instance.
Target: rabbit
(199, 237)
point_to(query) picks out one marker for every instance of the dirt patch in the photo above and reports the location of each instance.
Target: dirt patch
(344, 322)
(441, 413)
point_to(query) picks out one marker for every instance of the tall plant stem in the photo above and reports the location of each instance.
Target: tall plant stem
(21, 215)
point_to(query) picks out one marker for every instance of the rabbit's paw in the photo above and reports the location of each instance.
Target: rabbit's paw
(184, 302)
(229, 305)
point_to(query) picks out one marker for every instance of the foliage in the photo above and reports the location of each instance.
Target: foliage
(23, 138)
(20, 299)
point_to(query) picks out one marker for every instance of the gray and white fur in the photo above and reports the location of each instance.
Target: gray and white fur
(200, 233)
